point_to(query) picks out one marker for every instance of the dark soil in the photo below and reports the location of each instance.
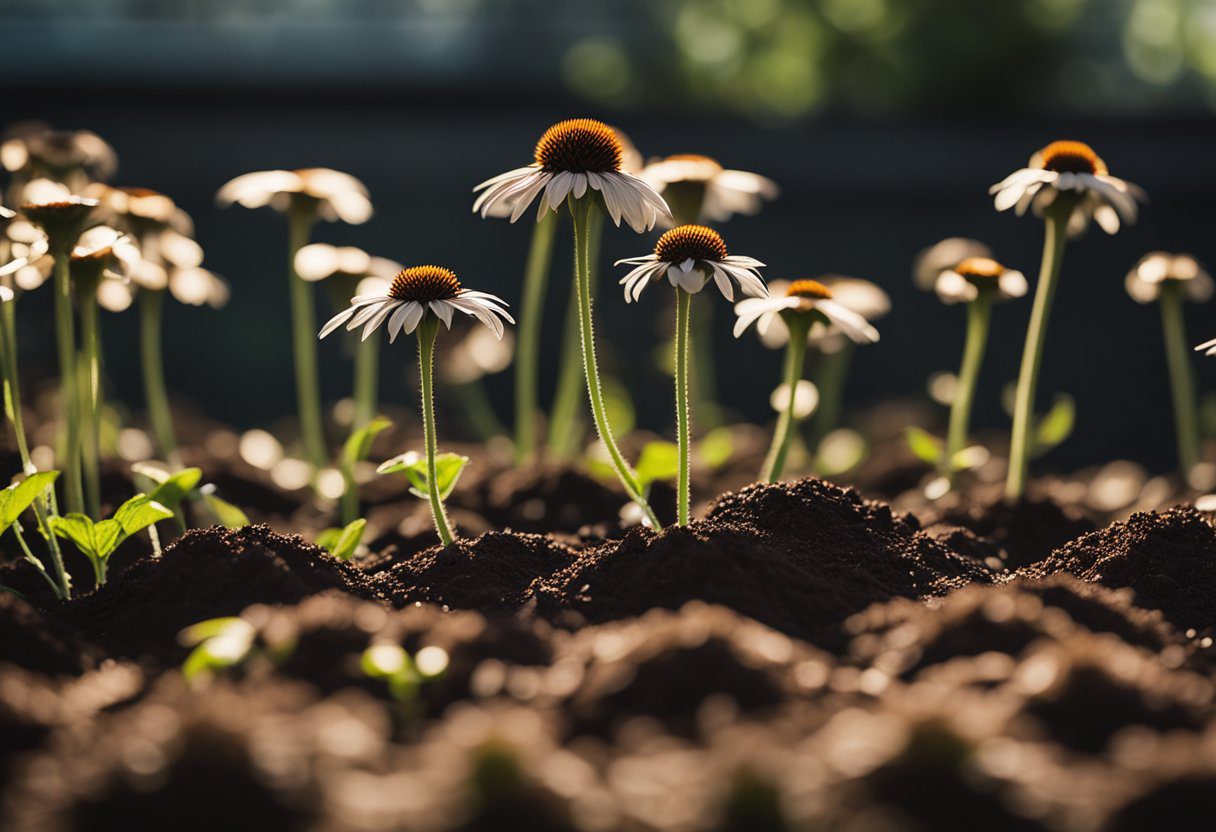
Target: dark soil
(1168, 560)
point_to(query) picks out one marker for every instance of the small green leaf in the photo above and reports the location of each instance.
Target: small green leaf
(1054, 426)
(174, 490)
(155, 474)
(225, 512)
(326, 538)
(658, 462)
(80, 530)
(400, 463)
(222, 643)
(203, 630)
(18, 496)
(359, 444)
(447, 471)
(137, 514)
(927, 447)
(969, 458)
(717, 448)
(380, 661)
(342, 543)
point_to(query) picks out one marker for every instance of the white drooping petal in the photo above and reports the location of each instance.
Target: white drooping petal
(374, 322)
(337, 320)
(849, 322)
(443, 311)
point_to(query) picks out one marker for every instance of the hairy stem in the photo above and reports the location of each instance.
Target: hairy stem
(427, 330)
(68, 383)
(979, 312)
(1182, 381)
(527, 349)
(1055, 238)
(304, 337)
(37, 564)
(583, 211)
(795, 358)
(684, 476)
(151, 308)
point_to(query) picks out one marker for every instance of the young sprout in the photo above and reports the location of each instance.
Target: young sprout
(977, 282)
(1170, 280)
(16, 499)
(1067, 184)
(304, 195)
(579, 162)
(418, 299)
(804, 303)
(689, 256)
(98, 540)
(62, 220)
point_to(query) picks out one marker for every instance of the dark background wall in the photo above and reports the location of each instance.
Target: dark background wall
(882, 144)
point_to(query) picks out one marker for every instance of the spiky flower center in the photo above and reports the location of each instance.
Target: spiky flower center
(1071, 157)
(425, 284)
(980, 267)
(579, 145)
(690, 242)
(812, 289)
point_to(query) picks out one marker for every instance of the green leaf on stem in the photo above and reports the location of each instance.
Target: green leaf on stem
(359, 444)
(18, 496)
(343, 542)
(447, 471)
(927, 447)
(97, 541)
(173, 490)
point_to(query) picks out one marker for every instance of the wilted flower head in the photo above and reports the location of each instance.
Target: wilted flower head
(1157, 268)
(335, 195)
(803, 297)
(948, 253)
(1073, 169)
(963, 282)
(699, 189)
(414, 292)
(689, 255)
(574, 157)
(31, 150)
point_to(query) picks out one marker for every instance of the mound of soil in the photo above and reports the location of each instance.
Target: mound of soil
(1167, 559)
(549, 498)
(800, 557)
(206, 573)
(33, 641)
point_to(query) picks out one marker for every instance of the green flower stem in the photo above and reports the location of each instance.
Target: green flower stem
(151, 308)
(684, 476)
(795, 359)
(68, 383)
(979, 313)
(304, 336)
(367, 382)
(567, 426)
(527, 350)
(12, 387)
(427, 330)
(830, 378)
(1055, 238)
(1182, 382)
(90, 398)
(583, 211)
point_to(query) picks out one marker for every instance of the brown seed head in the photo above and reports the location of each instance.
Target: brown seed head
(980, 267)
(579, 145)
(1070, 157)
(808, 289)
(690, 242)
(425, 284)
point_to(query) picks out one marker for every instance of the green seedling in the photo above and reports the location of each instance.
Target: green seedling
(342, 542)
(173, 490)
(356, 449)
(448, 468)
(98, 540)
(403, 674)
(219, 644)
(14, 500)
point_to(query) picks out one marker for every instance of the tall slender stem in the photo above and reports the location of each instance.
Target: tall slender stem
(68, 382)
(566, 423)
(583, 211)
(367, 382)
(12, 386)
(304, 336)
(151, 308)
(684, 476)
(1055, 238)
(427, 330)
(1182, 382)
(90, 398)
(795, 359)
(527, 345)
(979, 312)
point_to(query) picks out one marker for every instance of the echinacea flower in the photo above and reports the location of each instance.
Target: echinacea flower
(699, 189)
(1073, 169)
(335, 195)
(30, 150)
(414, 292)
(688, 256)
(804, 297)
(575, 157)
(963, 282)
(942, 255)
(61, 219)
(1160, 269)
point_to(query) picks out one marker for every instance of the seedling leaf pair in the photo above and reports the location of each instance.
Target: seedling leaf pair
(448, 468)
(931, 450)
(98, 540)
(173, 489)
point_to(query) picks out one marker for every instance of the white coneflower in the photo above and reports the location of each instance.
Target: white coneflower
(1067, 184)
(963, 282)
(334, 194)
(1158, 270)
(699, 189)
(942, 255)
(1074, 169)
(573, 158)
(803, 303)
(414, 292)
(688, 256)
(320, 261)
(30, 150)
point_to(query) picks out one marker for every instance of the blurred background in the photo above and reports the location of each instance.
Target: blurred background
(883, 121)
